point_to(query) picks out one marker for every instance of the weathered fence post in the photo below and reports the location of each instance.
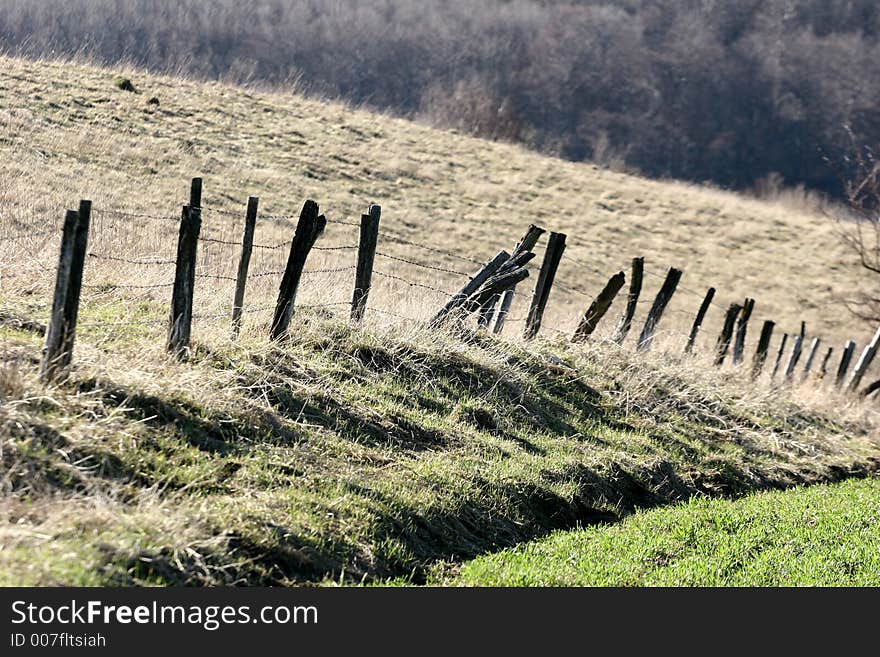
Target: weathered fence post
(796, 348)
(739, 342)
(460, 297)
(779, 354)
(527, 243)
(369, 237)
(662, 299)
(823, 369)
(180, 321)
(552, 256)
(632, 299)
(814, 347)
(698, 320)
(61, 332)
(195, 193)
(309, 226)
(864, 361)
(599, 307)
(845, 360)
(247, 246)
(723, 343)
(763, 347)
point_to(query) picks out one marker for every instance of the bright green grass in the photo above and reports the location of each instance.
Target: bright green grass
(825, 535)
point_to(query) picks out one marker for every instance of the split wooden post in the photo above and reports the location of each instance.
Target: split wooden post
(739, 342)
(369, 237)
(723, 343)
(555, 247)
(244, 262)
(309, 226)
(864, 361)
(632, 299)
(698, 320)
(823, 369)
(527, 243)
(763, 347)
(779, 354)
(459, 298)
(811, 356)
(180, 321)
(61, 332)
(599, 307)
(845, 360)
(662, 299)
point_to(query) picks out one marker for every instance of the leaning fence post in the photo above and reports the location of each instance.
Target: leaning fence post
(180, 321)
(369, 236)
(309, 226)
(659, 305)
(864, 361)
(632, 299)
(811, 356)
(779, 354)
(796, 349)
(527, 243)
(552, 256)
(845, 360)
(698, 320)
(763, 346)
(460, 297)
(723, 343)
(599, 307)
(823, 369)
(61, 332)
(247, 246)
(739, 342)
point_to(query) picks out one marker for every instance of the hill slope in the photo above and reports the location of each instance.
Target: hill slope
(356, 452)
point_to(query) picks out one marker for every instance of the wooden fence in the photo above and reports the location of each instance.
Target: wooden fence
(484, 296)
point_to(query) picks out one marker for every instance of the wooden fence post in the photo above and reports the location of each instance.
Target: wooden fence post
(662, 299)
(864, 361)
(180, 321)
(739, 342)
(632, 299)
(845, 360)
(61, 332)
(247, 246)
(814, 347)
(724, 338)
(763, 347)
(195, 193)
(823, 369)
(460, 297)
(369, 237)
(698, 320)
(527, 243)
(309, 226)
(796, 349)
(599, 307)
(555, 247)
(779, 354)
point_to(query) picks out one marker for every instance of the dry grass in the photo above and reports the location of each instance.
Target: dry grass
(377, 450)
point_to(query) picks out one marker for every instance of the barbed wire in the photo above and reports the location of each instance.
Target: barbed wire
(131, 260)
(408, 282)
(423, 266)
(432, 249)
(97, 212)
(132, 286)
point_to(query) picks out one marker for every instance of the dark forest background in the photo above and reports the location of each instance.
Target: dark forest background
(735, 92)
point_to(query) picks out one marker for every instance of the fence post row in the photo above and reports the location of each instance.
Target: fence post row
(632, 299)
(369, 236)
(698, 320)
(247, 246)
(662, 299)
(598, 308)
(552, 256)
(527, 243)
(845, 360)
(61, 332)
(723, 343)
(763, 347)
(308, 228)
(739, 342)
(864, 361)
(180, 321)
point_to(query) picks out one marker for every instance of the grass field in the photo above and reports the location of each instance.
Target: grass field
(818, 536)
(386, 450)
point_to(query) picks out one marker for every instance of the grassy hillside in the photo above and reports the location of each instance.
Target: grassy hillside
(821, 536)
(385, 450)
